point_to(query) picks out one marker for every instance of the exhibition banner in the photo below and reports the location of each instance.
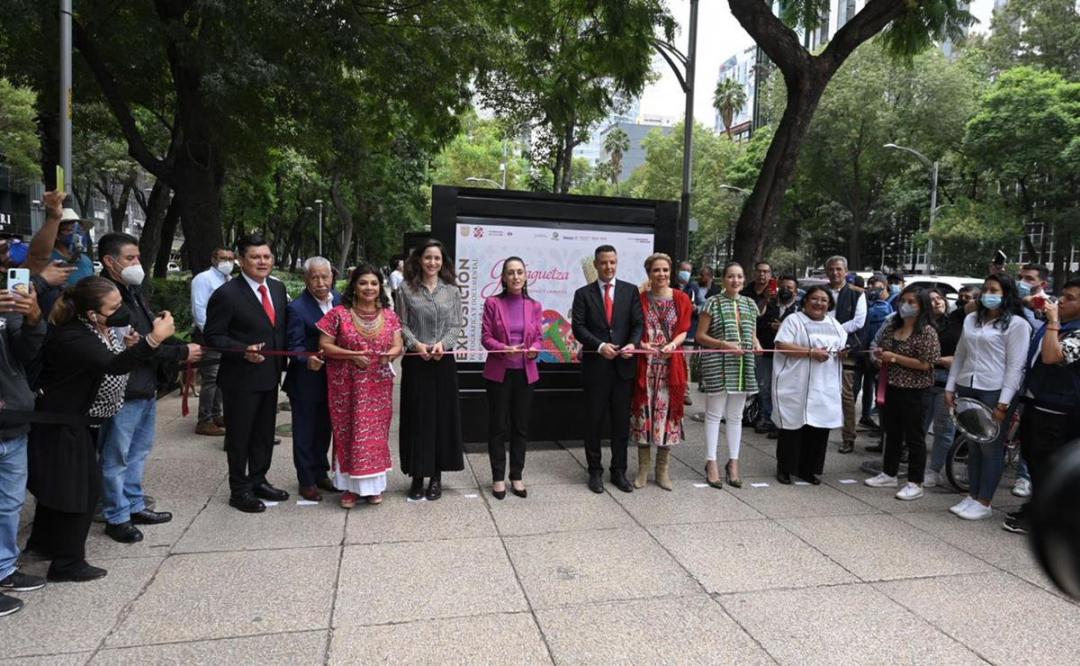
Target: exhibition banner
(558, 260)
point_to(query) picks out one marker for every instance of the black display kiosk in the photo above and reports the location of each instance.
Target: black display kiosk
(558, 404)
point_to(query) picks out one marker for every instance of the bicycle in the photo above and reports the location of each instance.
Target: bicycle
(956, 470)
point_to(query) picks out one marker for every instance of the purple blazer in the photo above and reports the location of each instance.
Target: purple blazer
(495, 335)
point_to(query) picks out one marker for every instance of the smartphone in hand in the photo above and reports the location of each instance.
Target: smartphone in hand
(18, 281)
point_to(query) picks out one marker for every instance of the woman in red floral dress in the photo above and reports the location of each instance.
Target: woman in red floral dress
(361, 338)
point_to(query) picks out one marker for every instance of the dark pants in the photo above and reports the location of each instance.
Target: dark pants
(902, 421)
(607, 396)
(802, 452)
(1042, 435)
(509, 410)
(61, 536)
(249, 438)
(311, 440)
(866, 384)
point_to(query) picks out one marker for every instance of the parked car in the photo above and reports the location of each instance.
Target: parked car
(950, 284)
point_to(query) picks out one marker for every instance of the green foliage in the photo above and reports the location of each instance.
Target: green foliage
(729, 98)
(478, 152)
(18, 133)
(173, 293)
(1039, 33)
(616, 143)
(968, 233)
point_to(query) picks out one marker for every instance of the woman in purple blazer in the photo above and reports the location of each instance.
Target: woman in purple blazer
(511, 329)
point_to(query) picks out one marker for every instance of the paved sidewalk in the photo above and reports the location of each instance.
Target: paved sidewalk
(833, 574)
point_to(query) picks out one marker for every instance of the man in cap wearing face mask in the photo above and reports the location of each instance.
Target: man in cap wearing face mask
(126, 438)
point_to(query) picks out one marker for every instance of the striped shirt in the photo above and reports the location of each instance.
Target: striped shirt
(730, 320)
(429, 316)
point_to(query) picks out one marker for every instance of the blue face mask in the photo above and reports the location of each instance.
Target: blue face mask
(894, 289)
(991, 301)
(1024, 287)
(684, 276)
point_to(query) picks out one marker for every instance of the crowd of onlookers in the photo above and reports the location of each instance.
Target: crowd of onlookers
(84, 354)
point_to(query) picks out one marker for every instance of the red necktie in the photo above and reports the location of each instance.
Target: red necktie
(609, 305)
(267, 305)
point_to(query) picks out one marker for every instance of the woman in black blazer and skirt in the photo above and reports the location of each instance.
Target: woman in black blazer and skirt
(429, 306)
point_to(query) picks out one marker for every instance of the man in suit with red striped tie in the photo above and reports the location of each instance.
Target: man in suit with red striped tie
(246, 316)
(608, 322)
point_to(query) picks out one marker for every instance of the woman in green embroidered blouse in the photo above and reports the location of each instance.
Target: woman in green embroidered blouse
(728, 322)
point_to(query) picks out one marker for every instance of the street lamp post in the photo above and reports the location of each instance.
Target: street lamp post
(933, 167)
(740, 190)
(65, 92)
(318, 202)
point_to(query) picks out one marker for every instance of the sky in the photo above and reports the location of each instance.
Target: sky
(719, 37)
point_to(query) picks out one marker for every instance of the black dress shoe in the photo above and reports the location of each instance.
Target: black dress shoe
(618, 479)
(784, 478)
(416, 490)
(247, 503)
(811, 479)
(596, 482)
(520, 492)
(148, 517)
(79, 573)
(265, 491)
(498, 494)
(124, 532)
(327, 485)
(434, 490)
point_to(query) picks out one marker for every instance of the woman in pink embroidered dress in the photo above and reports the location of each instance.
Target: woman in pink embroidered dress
(361, 338)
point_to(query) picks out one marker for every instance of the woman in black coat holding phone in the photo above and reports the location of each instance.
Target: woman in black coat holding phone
(81, 385)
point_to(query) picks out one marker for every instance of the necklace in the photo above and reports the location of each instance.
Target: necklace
(367, 324)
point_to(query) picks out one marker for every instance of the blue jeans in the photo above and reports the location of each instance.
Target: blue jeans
(944, 427)
(12, 496)
(763, 369)
(986, 462)
(126, 440)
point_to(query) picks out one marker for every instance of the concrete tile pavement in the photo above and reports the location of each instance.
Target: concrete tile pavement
(772, 574)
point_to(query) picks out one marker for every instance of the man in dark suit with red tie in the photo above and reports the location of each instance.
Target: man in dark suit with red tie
(247, 316)
(608, 322)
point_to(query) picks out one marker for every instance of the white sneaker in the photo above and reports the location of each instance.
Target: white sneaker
(962, 506)
(910, 492)
(976, 511)
(931, 479)
(882, 480)
(1022, 488)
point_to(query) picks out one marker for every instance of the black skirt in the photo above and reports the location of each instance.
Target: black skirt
(430, 418)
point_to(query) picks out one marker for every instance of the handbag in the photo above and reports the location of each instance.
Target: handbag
(882, 383)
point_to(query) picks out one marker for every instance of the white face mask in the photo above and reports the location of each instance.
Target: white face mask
(225, 268)
(133, 275)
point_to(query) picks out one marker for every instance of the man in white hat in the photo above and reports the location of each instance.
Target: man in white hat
(70, 247)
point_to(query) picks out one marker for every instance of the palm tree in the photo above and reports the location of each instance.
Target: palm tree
(616, 143)
(729, 98)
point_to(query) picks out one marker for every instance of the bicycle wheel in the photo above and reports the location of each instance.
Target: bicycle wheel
(956, 468)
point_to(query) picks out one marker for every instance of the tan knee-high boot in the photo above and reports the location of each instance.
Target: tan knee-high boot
(644, 457)
(663, 458)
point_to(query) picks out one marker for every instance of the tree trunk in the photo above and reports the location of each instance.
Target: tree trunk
(344, 216)
(168, 232)
(150, 239)
(567, 159)
(778, 170)
(199, 190)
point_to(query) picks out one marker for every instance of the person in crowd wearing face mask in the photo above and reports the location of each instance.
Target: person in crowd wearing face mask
(69, 246)
(1031, 285)
(210, 421)
(989, 367)
(937, 413)
(126, 438)
(908, 349)
(967, 298)
(896, 285)
(82, 384)
(877, 310)
(762, 291)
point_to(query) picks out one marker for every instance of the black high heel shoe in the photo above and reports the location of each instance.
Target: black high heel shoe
(416, 490)
(734, 483)
(522, 492)
(498, 494)
(719, 483)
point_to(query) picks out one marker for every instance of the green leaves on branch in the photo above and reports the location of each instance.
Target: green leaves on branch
(19, 147)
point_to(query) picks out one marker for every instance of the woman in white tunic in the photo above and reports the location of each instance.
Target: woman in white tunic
(806, 387)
